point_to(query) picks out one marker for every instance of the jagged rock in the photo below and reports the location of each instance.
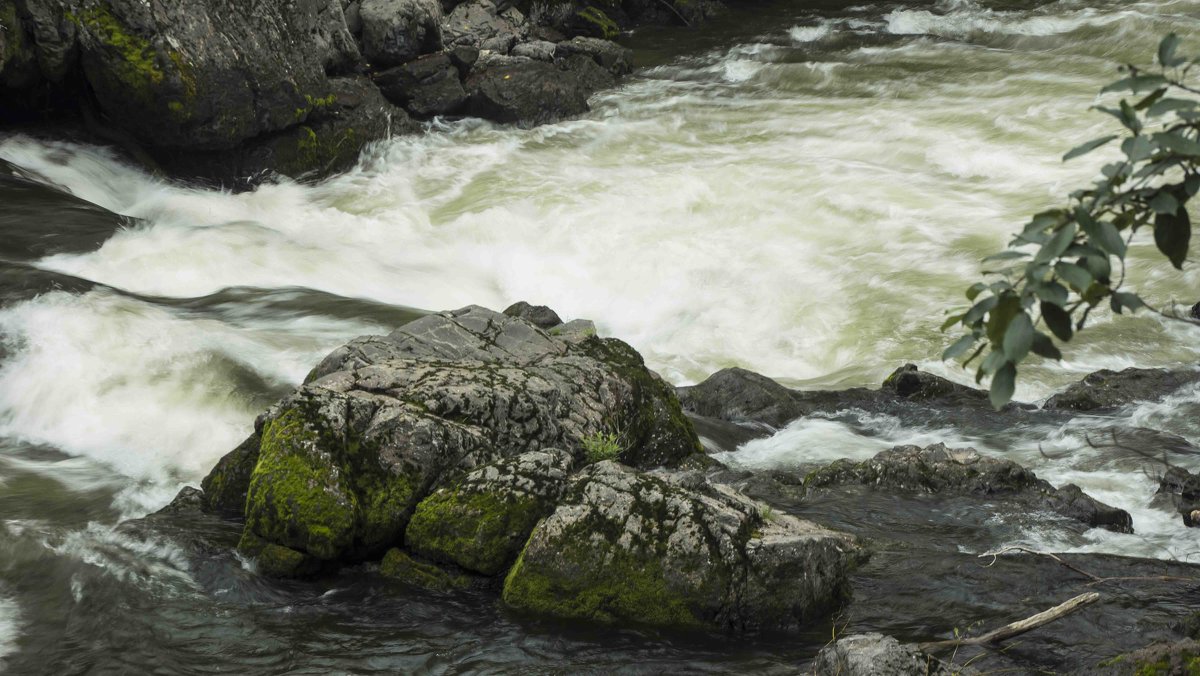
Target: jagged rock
(1179, 490)
(1110, 389)
(538, 50)
(878, 655)
(608, 55)
(738, 395)
(538, 315)
(386, 420)
(399, 565)
(534, 92)
(661, 549)
(480, 522)
(472, 23)
(395, 31)
(425, 87)
(463, 57)
(938, 469)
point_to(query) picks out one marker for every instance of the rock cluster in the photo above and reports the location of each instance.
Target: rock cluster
(471, 445)
(228, 89)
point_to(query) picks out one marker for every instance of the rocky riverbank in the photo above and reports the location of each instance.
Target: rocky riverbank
(531, 461)
(230, 91)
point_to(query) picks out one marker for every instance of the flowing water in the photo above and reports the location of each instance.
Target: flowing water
(801, 190)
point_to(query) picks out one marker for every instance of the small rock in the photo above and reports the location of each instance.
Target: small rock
(1107, 389)
(425, 87)
(878, 655)
(538, 50)
(533, 92)
(538, 315)
(607, 54)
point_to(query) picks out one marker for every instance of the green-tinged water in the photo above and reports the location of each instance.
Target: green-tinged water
(800, 189)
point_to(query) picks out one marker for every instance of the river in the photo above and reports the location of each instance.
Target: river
(801, 189)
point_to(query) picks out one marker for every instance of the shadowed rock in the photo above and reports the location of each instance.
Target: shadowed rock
(1111, 389)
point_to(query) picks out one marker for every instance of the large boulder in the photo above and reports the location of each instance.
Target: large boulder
(395, 31)
(939, 469)
(1107, 389)
(480, 24)
(672, 549)
(528, 93)
(384, 421)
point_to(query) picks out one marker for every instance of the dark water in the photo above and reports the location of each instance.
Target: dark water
(772, 191)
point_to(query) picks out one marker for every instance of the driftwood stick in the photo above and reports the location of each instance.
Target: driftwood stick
(1095, 579)
(1020, 627)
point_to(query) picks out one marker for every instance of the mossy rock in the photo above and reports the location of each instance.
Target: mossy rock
(399, 565)
(226, 485)
(481, 522)
(274, 560)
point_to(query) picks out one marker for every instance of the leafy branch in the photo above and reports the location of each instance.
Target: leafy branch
(1068, 261)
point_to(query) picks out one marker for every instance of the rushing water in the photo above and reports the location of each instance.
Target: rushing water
(801, 190)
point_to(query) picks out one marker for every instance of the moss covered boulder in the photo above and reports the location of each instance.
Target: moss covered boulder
(343, 462)
(481, 521)
(671, 549)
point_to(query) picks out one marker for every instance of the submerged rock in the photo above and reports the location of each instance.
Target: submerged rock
(939, 469)
(625, 546)
(343, 461)
(1107, 389)
(878, 655)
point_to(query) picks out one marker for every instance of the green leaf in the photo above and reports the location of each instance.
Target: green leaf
(1135, 84)
(1177, 142)
(993, 361)
(1058, 243)
(1138, 148)
(1151, 99)
(1073, 274)
(1105, 236)
(1057, 320)
(1005, 256)
(959, 347)
(1053, 292)
(1018, 338)
(1128, 301)
(1098, 266)
(1084, 149)
(1164, 203)
(951, 321)
(1168, 105)
(998, 319)
(1166, 51)
(976, 289)
(1004, 383)
(1172, 233)
(1044, 347)
(978, 310)
(1129, 117)
(1192, 184)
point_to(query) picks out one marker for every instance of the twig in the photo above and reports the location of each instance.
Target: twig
(1020, 627)
(1095, 579)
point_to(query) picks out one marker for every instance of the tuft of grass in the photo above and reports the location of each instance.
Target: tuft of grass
(601, 446)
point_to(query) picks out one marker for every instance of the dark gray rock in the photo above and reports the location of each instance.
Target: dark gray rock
(385, 420)
(475, 22)
(674, 550)
(938, 469)
(607, 54)
(395, 31)
(1111, 389)
(530, 93)
(1181, 658)
(538, 315)
(879, 655)
(538, 50)
(425, 87)
(463, 57)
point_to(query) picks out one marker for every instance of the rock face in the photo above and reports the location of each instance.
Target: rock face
(879, 655)
(938, 469)
(231, 90)
(1111, 389)
(395, 31)
(661, 550)
(385, 420)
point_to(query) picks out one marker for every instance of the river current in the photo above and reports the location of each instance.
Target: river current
(801, 189)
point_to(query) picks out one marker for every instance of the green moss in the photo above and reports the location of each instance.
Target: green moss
(479, 531)
(277, 561)
(296, 496)
(137, 65)
(399, 565)
(607, 28)
(627, 588)
(11, 35)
